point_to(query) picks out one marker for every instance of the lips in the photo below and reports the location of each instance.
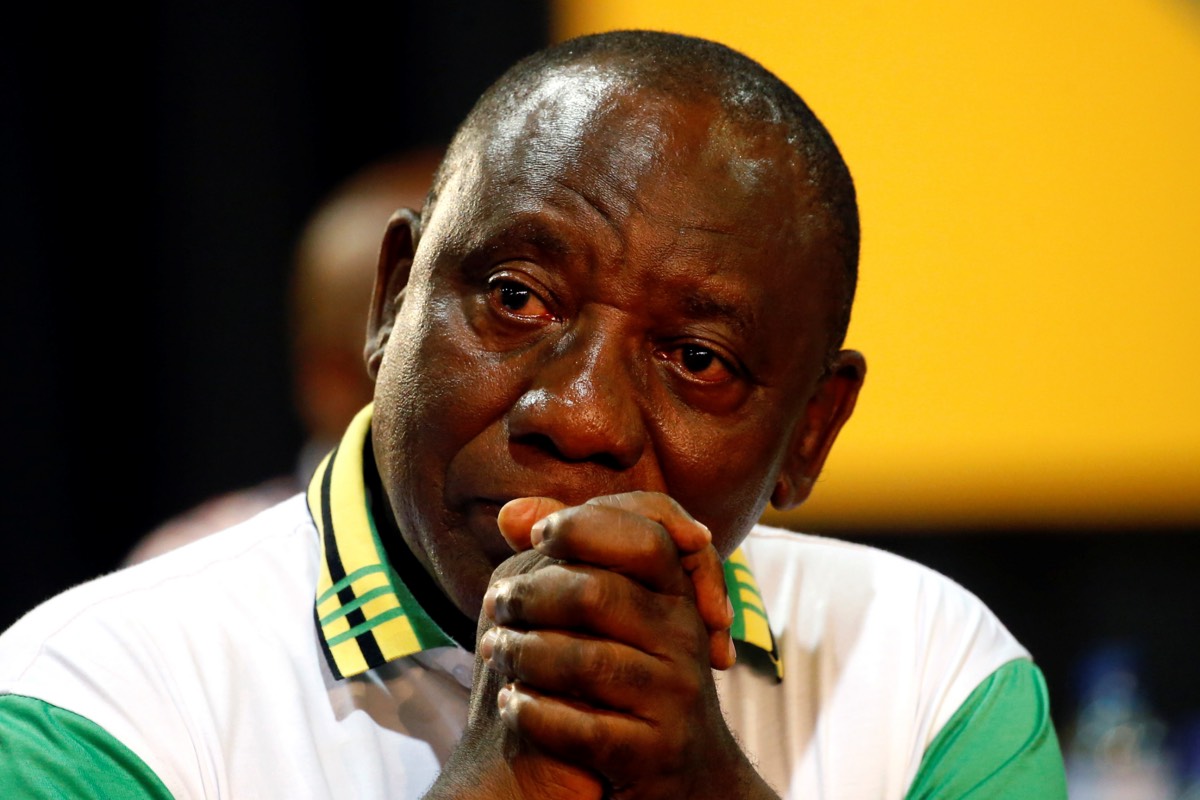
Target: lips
(490, 496)
(480, 517)
(570, 483)
(481, 479)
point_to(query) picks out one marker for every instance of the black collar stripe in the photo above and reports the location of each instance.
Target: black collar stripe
(362, 618)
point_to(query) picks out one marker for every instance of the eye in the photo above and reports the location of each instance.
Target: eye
(701, 363)
(515, 299)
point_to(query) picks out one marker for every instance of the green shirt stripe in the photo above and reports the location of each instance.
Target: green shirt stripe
(1000, 743)
(349, 579)
(49, 753)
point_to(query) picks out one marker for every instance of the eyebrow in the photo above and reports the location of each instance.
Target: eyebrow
(529, 230)
(701, 306)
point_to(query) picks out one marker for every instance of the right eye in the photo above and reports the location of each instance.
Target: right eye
(515, 299)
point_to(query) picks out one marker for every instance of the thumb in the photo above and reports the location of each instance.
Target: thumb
(517, 517)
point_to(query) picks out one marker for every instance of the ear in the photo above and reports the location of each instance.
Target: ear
(391, 278)
(826, 412)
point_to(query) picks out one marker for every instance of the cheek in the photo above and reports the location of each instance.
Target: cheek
(438, 388)
(722, 474)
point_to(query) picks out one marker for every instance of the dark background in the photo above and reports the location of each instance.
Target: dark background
(156, 165)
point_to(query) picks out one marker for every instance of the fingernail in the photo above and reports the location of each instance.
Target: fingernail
(732, 651)
(536, 532)
(489, 601)
(707, 532)
(504, 694)
(487, 645)
(729, 609)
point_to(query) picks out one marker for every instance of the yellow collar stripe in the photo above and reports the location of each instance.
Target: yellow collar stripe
(364, 613)
(750, 623)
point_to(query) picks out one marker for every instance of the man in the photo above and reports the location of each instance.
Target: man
(333, 269)
(612, 335)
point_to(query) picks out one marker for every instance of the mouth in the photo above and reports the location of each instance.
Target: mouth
(476, 490)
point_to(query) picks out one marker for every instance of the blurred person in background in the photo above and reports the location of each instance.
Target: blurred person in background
(333, 270)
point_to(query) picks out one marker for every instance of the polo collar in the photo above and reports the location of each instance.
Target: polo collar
(366, 616)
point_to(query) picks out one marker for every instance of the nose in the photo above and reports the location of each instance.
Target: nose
(582, 403)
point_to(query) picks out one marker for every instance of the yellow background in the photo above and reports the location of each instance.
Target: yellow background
(1029, 186)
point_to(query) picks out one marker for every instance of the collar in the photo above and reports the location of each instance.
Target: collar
(366, 616)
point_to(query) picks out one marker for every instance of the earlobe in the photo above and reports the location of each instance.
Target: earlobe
(790, 492)
(827, 410)
(396, 255)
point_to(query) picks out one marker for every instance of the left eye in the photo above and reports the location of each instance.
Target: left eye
(514, 296)
(702, 363)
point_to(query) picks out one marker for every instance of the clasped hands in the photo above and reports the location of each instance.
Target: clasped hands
(594, 660)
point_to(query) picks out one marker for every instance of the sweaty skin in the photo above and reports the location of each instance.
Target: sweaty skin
(615, 311)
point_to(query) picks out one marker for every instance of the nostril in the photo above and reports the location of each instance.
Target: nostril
(540, 441)
(544, 444)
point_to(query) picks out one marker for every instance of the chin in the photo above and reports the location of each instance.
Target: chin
(464, 579)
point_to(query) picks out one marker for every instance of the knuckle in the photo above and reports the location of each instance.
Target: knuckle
(597, 662)
(608, 664)
(512, 597)
(635, 675)
(594, 593)
(506, 651)
(648, 608)
(618, 600)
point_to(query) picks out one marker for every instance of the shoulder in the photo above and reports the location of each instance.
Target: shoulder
(849, 586)
(162, 592)
(859, 607)
(153, 652)
(271, 553)
(887, 663)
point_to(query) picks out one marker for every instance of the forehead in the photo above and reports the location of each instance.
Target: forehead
(585, 124)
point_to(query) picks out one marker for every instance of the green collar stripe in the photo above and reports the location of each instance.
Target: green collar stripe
(750, 601)
(365, 614)
(354, 604)
(427, 632)
(740, 570)
(358, 630)
(750, 623)
(349, 579)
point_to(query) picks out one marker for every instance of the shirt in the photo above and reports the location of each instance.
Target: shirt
(288, 657)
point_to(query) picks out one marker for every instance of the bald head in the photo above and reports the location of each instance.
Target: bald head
(753, 101)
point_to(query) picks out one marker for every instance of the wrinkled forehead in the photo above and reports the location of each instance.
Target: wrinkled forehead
(585, 121)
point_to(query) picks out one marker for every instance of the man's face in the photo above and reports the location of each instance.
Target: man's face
(615, 292)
